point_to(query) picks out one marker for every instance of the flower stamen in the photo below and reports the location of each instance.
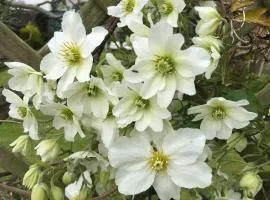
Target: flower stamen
(71, 54)
(141, 103)
(129, 5)
(92, 90)
(66, 114)
(159, 161)
(165, 65)
(219, 113)
(117, 76)
(166, 8)
(22, 111)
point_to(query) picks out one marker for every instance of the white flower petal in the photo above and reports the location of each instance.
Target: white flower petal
(165, 188)
(70, 131)
(195, 58)
(185, 85)
(134, 157)
(165, 96)
(152, 86)
(191, 176)
(12, 98)
(172, 18)
(99, 106)
(210, 126)
(159, 35)
(135, 182)
(240, 114)
(93, 40)
(83, 71)
(52, 66)
(30, 125)
(65, 81)
(109, 130)
(114, 11)
(144, 122)
(185, 146)
(224, 133)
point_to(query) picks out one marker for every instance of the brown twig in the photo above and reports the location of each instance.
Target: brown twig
(15, 190)
(31, 7)
(223, 8)
(111, 26)
(103, 196)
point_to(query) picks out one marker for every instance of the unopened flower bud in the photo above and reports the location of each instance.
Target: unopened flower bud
(251, 182)
(40, 192)
(31, 177)
(68, 178)
(48, 150)
(56, 193)
(83, 194)
(104, 177)
(23, 145)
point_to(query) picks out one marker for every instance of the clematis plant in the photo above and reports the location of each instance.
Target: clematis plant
(121, 123)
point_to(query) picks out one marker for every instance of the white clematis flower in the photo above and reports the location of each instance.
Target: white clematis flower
(213, 46)
(71, 50)
(220, 116)
(63, 118)
(26, 80)
(210, 20)
(144, 112)
(168, 165)
(19, 109)
(170, 10)
(128, 11)
(113, 72)
(88, 97)
(163, 67)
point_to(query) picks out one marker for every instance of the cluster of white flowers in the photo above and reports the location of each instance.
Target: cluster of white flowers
(129, 97)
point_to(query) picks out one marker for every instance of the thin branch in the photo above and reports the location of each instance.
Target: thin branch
(44, 2)
(32, 7)
(103, 196)
(9, 121)
(111, 26)
(223, 8)
(15, 190)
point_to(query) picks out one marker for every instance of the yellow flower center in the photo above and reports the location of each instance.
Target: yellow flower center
(166, 8)
(158, 161)
(66, 114)
(165, 65)
(71, 54)
(141, 103)
(92, 90)
(117, 76)
(22, 111)
(129, 5)
(219, 113)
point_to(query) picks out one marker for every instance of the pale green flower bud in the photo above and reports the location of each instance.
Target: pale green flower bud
(104, 177)
(251, 182)
(68, 178)
(83, 194)
(48, 150)
(31, 177)
(56, 193)
(40, 192)
(23, 145)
